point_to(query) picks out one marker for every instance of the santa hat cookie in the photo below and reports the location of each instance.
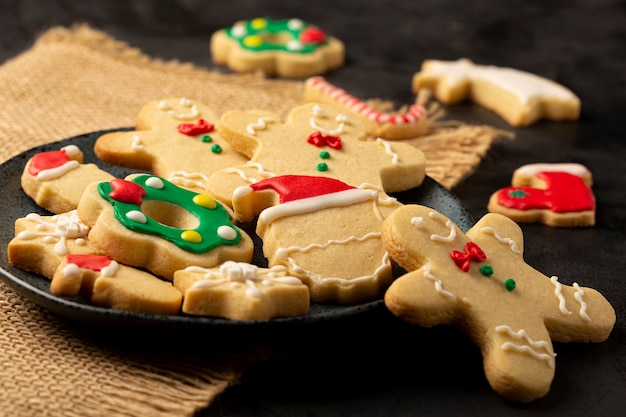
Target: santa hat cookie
(308, 225)
(554, 194)
(55, 180)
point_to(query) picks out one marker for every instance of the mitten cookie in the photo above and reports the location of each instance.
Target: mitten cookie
(325, 232)
(287, 48)
(521, 98)
(410, 124)
(480, 282)
(554, 194)
(55, 180)
(175, 138)
(148, 222)
(242, 291)
(315, 140)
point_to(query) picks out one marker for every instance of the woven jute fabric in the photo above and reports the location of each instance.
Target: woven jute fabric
(79, 80)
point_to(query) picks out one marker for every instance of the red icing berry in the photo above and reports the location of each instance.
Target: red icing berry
(312, 34)
(92, 262)
(47, 160)
(319, 140)
(126, 191)
(198, 128)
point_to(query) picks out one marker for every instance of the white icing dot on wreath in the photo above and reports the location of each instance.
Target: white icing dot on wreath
(164, 105)
(154, 182)
(295, 24)
(294, 45)
(239, 30)
(226, 232)
(137, 216)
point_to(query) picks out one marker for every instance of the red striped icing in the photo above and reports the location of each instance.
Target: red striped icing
(414, 114)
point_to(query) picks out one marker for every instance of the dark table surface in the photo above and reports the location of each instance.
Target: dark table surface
(375, 365)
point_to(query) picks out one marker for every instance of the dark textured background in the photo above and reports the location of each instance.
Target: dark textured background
(375, 365)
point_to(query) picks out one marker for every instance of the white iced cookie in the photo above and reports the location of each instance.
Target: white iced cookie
(521, 98)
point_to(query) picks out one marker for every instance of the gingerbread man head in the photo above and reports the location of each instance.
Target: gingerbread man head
(480, 282)
(316, 139)
(175, 138)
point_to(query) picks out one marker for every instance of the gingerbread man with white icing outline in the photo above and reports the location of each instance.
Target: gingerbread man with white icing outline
(175, 138)
(480, 282)
(316, 139)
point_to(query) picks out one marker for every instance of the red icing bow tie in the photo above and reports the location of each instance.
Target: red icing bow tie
(320, 140)
(464, 259)
(192, 129)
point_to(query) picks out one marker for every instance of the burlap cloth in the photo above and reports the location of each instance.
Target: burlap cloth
(78, 80)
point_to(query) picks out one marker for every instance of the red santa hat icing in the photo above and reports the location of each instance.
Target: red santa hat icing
(53, 164)
(300, 194)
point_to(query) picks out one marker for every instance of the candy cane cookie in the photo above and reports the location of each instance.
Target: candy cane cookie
(410, 124)
(287, 48)
(557, 195)
(521, 98)
(480, 282)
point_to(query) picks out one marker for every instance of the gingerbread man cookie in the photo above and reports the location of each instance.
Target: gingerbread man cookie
(521, 98)
(554, 194)
(175, 138)
(242, 291)
(149, 222)
(308, 226)
(287, 48)
(410, 124)
(315, 140)
(55, 180)
(58, 248)
(480, 282)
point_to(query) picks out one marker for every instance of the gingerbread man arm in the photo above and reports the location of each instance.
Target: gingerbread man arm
(571, 313)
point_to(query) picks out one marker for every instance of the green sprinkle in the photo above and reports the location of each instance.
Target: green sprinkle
(206, 139)
(216, 148)
(509, 284)
(322, 167)
(486, 270)
(325, 155)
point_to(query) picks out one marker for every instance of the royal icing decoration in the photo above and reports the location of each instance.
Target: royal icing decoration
(60, 228)
(564, 193)
(197, 128)
(525, 86)
(540, 349)
(289, 35)
(300, 194)
(238, 274)
(98, 263)
(214, 227)
(53, 164)
(192, 114)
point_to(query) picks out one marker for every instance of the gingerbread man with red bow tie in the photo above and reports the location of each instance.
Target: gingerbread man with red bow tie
(480, 282)
(175, 138)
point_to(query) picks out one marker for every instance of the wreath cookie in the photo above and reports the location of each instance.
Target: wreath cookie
(148, 222)
(287, 48)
